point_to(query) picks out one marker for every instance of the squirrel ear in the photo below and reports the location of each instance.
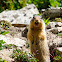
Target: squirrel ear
(34, 15)
(32, 19)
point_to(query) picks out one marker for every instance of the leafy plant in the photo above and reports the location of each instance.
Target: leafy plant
(23, 56)
(1, 44)
(9, 46)
(1, 9)
(54, 3)
(40, 3)
(4, 32)
(46, 21)
(17, 4)
(60, 5)
(1, 60)
(40, 14)
(59, 34)
(58, 57)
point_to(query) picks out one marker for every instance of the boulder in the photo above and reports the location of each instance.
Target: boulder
(54, 27)
(20, 16)
(56, 30)
(52, 12)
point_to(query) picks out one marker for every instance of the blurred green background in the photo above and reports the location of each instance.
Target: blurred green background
(17, 4)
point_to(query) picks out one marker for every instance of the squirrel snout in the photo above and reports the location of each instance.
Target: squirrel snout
(36, 22)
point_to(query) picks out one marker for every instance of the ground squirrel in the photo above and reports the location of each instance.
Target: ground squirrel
(37, 39)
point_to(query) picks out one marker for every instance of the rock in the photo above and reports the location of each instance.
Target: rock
(21, 16)
(59, 49)
(53, 25)
(10, 40)
(52, 12)
(53, 39)
(24, 32)
(5, 53)
(50, 25)
(55, 30)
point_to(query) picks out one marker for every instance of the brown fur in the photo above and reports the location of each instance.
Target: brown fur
(37, 40)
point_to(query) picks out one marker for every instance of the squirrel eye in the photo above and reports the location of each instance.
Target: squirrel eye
(32, 19)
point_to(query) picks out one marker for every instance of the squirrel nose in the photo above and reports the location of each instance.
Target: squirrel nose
(36, 20)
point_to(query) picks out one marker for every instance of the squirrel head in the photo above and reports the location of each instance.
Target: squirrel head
(37, 21)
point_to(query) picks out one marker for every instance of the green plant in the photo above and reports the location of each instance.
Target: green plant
(40, 3)
(9, 46)
(58, 57)
(54, 3)
(1, 44)
(1, 60)
(40, 14)
(23, 56)
(17, 4)
(46, 21)
(60, 1)
(59, 34)
(1, 9)
(4, 32)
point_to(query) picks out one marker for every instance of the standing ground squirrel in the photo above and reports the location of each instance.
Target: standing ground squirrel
(37, 39)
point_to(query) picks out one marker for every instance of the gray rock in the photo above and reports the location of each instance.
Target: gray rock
(21, 16)
(54, 25)
(55, 30)
(50, 25)
(52, 12)
(53, 39)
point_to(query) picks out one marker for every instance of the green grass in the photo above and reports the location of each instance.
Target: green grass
(23, 56)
